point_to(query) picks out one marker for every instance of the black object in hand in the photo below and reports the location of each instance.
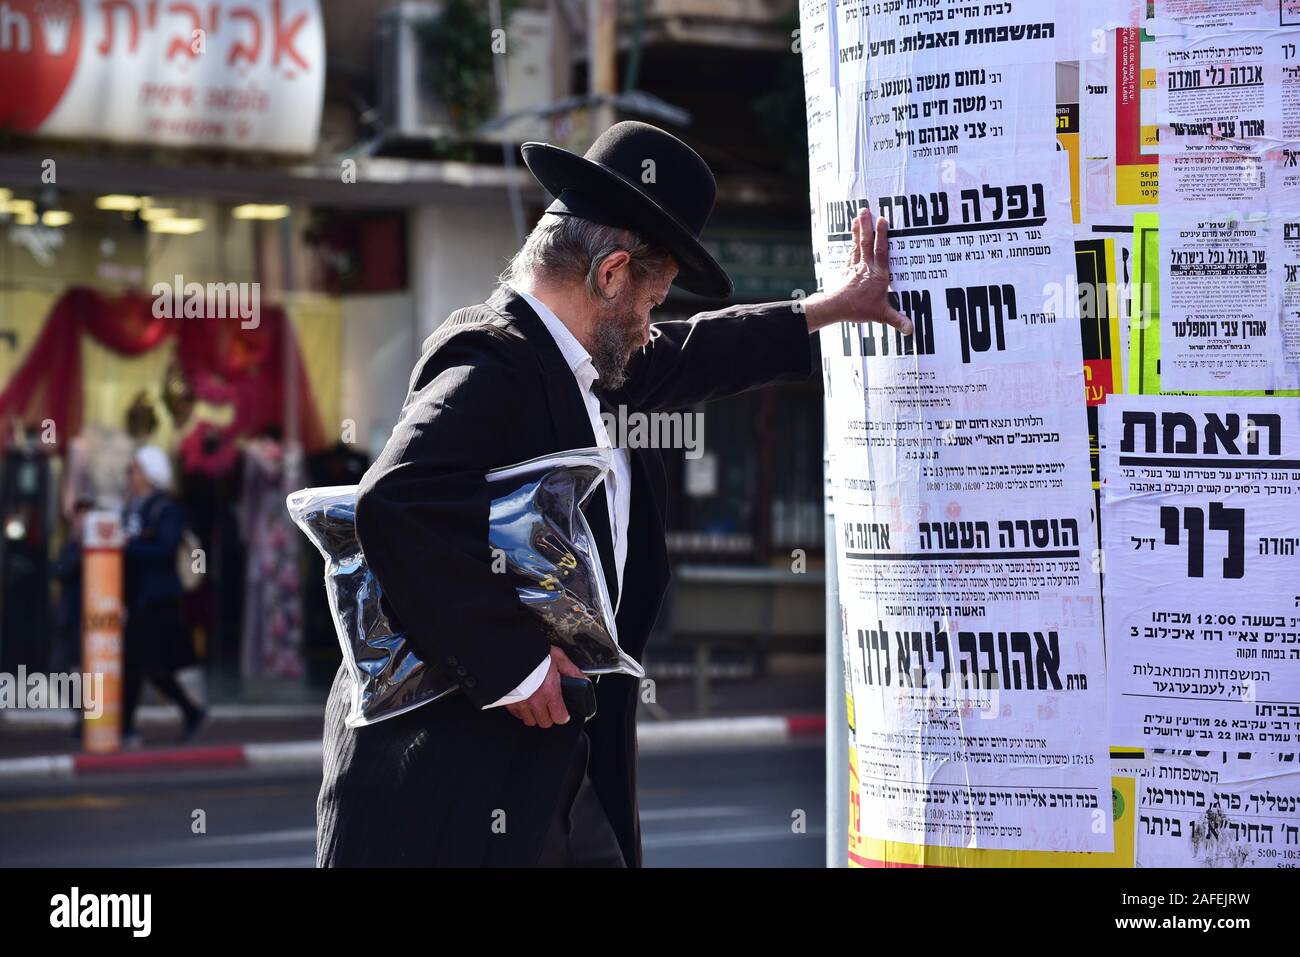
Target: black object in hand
(579, 696)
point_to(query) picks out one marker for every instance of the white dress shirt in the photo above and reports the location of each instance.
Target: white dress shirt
(618, 481)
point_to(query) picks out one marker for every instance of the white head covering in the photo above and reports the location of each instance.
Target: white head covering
(155, 465)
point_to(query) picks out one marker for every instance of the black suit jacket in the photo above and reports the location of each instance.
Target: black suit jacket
(450, 783)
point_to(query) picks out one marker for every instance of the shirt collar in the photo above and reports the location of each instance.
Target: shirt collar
(577, 357)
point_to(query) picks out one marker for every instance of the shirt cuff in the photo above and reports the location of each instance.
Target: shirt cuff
(526, 687)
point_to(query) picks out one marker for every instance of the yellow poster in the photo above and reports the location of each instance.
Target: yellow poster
(870, 852)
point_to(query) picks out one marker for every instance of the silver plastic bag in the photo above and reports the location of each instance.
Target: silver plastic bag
(535, 524)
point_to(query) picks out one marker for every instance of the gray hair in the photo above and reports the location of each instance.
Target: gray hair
(567, 248)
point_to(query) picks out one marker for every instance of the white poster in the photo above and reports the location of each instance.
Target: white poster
(963, 517)
(1224, 284)
(820, 75)
(1222, 17)
(1223, 108)
(1201, 527)
(1242, 90)
(944, 83)
(1219, 809)
(230, 74)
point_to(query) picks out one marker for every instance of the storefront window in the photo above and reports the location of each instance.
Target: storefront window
(797, 506)
(219, 332)
(714, 514)
(755, 491)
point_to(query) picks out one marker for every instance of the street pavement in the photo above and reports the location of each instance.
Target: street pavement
(738, 807)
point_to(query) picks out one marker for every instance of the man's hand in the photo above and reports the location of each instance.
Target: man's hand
(546, 705)
(862, 295)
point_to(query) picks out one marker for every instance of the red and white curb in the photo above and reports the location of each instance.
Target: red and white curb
(288, 755)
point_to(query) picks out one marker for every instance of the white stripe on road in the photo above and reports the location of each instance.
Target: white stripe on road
(709, 732)
(652, 738)
(163, 714)
(308, 834)
(686, 813)
(737, 836)
(46, 766)
(254, 862)
(691, 839)
(284, 754)
(288, 836)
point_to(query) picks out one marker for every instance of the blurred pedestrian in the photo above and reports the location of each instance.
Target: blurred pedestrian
(157, 643)
(65, 650)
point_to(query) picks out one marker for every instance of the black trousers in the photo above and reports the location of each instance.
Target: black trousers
(166, 683)
(580, 833)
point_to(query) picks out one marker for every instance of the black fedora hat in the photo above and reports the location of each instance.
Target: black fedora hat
(638, 177)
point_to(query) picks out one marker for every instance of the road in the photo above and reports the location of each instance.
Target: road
(733, 808)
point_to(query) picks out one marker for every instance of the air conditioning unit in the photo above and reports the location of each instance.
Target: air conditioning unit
(410, 110)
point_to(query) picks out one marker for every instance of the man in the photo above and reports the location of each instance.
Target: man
(500, 774)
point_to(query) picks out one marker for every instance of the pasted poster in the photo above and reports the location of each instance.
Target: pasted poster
(865, 851)
(1134, 173)
(1218, 16)
(820, 72)
(1219, 809)
(1225, 117)
(1201, 528)
(1185, 159)
(1221, 281)
(947, 80)
(1145, 359)
(1098, 262)
(959, 460)
(1232, 92)
(963, 518)
(889, 84)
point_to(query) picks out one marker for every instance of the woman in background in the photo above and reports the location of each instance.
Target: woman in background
(156, 641)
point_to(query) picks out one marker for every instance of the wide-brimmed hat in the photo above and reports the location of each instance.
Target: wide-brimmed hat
(638, 177)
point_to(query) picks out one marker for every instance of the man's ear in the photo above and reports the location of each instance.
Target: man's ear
(614, 273)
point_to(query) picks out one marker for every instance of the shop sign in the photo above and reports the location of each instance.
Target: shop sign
(227, 74)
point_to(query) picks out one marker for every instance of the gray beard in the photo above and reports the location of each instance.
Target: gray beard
(614, 339)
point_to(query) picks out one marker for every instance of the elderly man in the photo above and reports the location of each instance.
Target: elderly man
(501, 773)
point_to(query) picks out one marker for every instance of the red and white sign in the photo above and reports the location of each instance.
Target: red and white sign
(231, 74)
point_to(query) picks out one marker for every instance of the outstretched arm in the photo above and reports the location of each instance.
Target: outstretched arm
(721, 353)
